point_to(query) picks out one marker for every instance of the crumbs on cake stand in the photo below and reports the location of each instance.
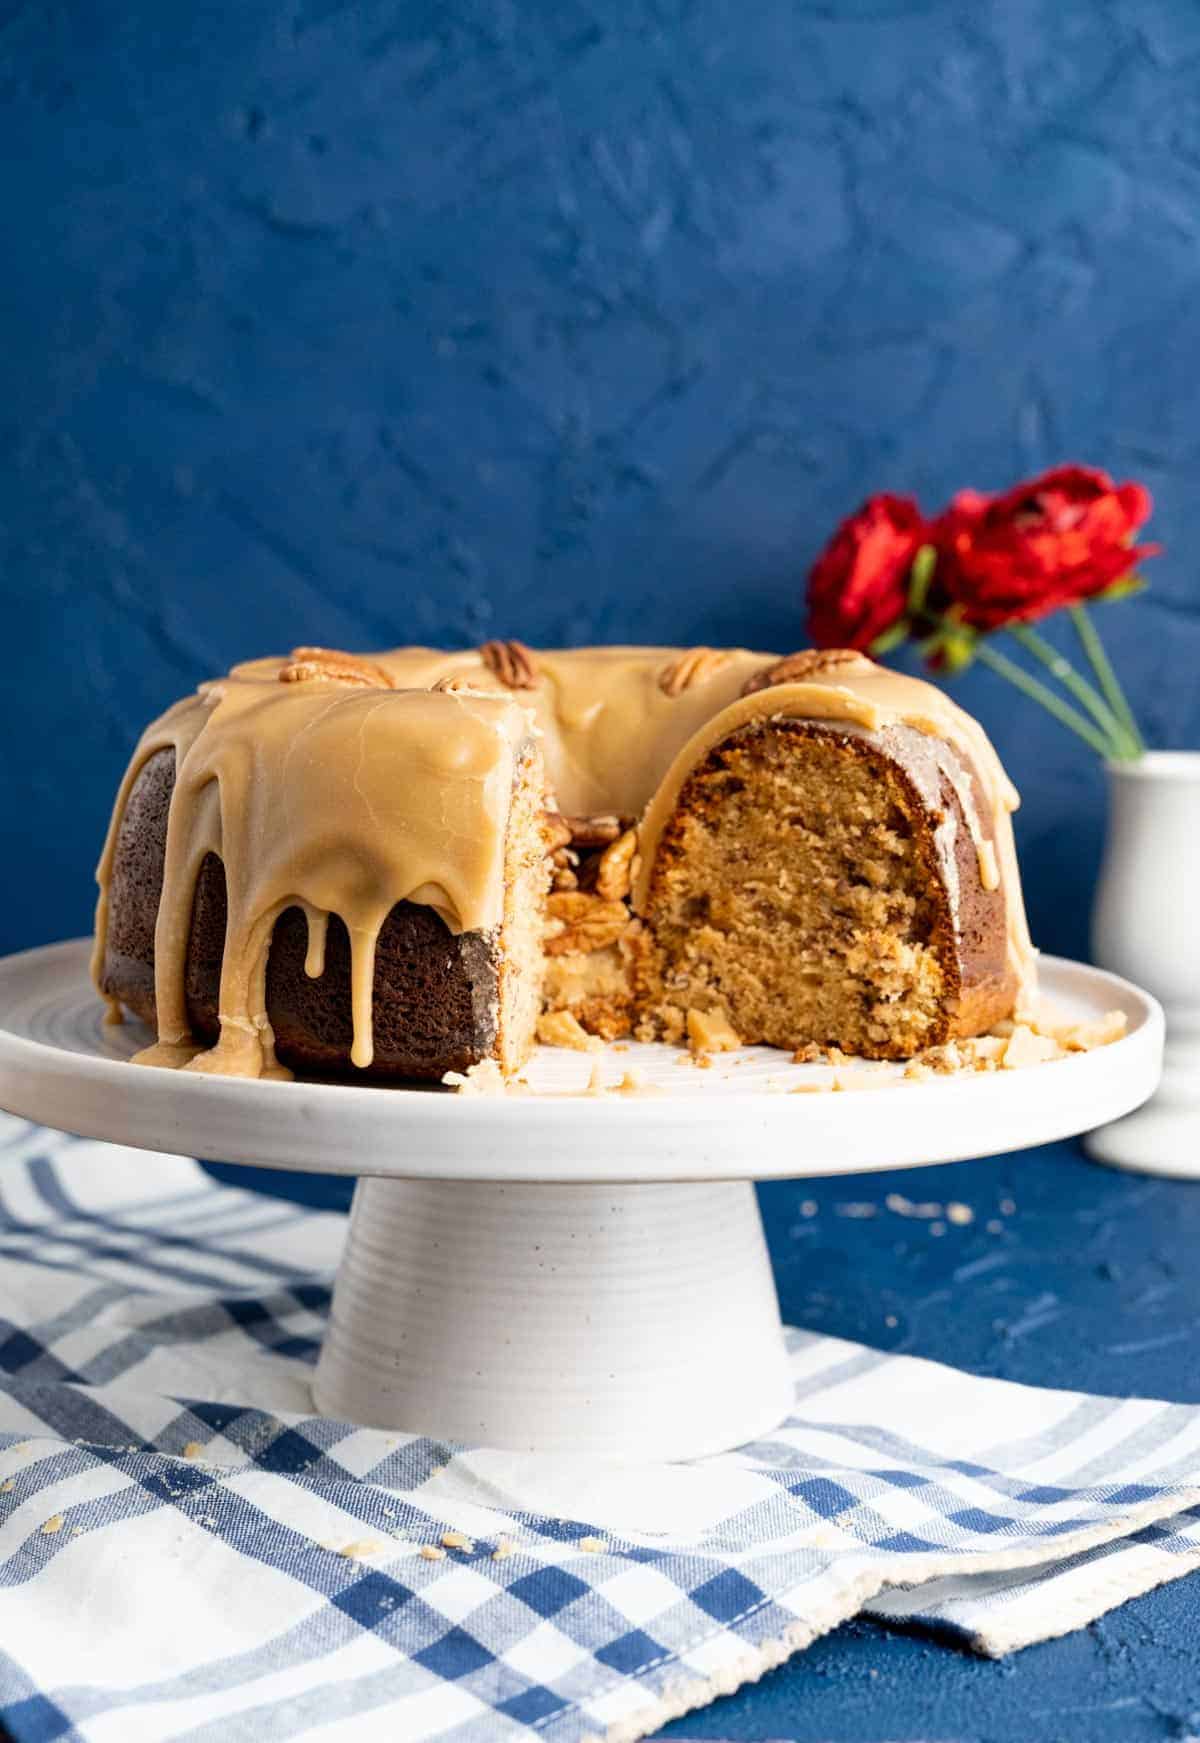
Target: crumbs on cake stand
(1039, 1037)
(1042, 1036)
(486, 1078)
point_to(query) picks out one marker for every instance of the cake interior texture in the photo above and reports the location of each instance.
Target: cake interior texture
(787, 858)
(795, 891)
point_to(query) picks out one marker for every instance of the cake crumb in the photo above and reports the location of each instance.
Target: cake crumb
(1083, 1037)
(53, 1525)
(457, 1540)
(959, 1214)
(483, 1078)
(711, 1032)
(503, 1550)
(593, 1545)
(631, 1082)
(563, 1029)
(635, 1082)
(901, 1206)
(862, 1079)
(6, 1485)
(1025, 1047)
(810, 1054)
(193, 1450)
(431, 1552)
(359, 1549)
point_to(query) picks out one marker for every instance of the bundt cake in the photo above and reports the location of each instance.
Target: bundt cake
(396, 867)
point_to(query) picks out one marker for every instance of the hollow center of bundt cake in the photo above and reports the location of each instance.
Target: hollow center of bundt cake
(796, 887)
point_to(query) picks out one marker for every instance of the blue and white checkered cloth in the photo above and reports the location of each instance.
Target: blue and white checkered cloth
(187, 1552)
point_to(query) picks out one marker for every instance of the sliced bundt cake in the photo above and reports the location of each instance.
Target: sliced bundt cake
(393, 866)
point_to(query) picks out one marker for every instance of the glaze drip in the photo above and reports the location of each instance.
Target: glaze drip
(335, 799)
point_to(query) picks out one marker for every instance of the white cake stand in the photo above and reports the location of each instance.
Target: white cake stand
(559, 1271)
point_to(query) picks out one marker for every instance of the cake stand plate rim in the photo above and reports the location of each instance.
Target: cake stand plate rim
(708, 1129)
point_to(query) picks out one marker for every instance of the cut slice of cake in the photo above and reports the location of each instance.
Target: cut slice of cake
(806, 888)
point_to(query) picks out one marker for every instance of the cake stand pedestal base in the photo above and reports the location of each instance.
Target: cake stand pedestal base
(560, 1271)
(630, 1322)
(1162, 1136)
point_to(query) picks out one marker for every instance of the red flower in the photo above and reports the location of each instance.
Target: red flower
(1049, 542)
(858, 586)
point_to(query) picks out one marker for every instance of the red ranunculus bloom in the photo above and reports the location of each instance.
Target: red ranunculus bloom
(1052, 541)
(858, 586)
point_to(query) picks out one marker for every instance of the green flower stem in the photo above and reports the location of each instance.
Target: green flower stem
(1093, 647)
(1039, 692)
(1121, 742)
(982, 649)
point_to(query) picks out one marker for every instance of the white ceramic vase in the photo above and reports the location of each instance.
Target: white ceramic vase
(1146, 926)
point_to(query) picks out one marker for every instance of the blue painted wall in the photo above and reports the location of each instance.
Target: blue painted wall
(369, 323)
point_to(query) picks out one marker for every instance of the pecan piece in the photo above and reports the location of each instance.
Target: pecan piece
(809, 663)
(564, 869)
(606, 1017)
(599, 831)
(587, 922)
(512, 662)
(460, 685)
(614, 872)
(556, 829)
(695, 666)
(332, 666)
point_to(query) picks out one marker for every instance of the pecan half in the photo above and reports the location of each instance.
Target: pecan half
(512, 662)
(614, 872)
(696, 666)
(587, 922)
(809, 663)
(588, 832)
(332, 666)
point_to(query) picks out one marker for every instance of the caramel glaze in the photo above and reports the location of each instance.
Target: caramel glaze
(347, 796)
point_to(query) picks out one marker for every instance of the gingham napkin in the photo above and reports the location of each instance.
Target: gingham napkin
(187, 1552)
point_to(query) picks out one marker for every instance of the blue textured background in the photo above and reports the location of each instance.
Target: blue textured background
(386, 322)
(373, 323)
